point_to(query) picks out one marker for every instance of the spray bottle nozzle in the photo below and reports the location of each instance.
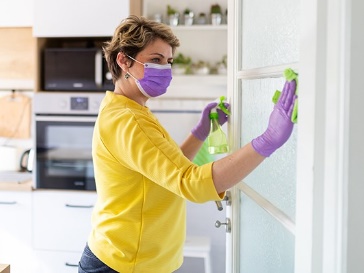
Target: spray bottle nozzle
(221, 105)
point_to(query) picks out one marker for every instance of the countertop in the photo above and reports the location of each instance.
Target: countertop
(4, 268)
(15, 181)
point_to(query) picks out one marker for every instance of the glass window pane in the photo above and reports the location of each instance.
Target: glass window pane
(275, 178)
(265, 245)
(270, 32)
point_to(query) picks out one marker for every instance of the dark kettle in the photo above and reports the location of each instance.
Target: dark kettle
(26, 160)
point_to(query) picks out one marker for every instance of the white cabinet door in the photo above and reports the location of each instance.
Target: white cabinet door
(15, 230)
(80, 18)
(62, 219)
(16, 13)
(57, 262)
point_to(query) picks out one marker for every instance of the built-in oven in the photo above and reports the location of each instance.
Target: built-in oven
(64, 125)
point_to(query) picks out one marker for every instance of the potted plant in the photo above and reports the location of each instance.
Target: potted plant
(182, 64)
(221, 66)
(216, 14)
(201, 68)
(173, 16)
(188, 17)
(215, 8)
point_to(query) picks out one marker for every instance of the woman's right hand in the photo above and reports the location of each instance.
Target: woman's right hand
(280, 125)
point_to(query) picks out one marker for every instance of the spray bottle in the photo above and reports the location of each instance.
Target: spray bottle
(216, 140)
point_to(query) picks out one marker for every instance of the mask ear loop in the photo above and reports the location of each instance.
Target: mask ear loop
(128, 75)
(134, 59)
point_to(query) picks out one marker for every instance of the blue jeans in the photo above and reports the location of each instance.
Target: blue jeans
(89, 263)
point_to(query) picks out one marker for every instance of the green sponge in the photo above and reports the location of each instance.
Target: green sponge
(290, 75)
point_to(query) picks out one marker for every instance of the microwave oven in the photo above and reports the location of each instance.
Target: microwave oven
(75, 69)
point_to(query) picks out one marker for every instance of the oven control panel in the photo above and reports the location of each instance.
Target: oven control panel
(67, 103)
(79, 103)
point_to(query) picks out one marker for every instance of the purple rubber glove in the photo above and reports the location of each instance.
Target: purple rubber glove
(280, 125)
(202, 129)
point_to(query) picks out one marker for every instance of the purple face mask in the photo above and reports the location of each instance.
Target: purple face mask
(156, 79)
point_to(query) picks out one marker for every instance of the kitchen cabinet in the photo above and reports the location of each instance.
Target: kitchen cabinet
(57, 261)
(61, 225)
(15, 230)
(17, 66)
(80, 18)
(16, 13)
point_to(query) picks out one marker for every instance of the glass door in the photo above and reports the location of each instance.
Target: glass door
(265, 41)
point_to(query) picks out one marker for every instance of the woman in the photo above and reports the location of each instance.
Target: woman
(142, 177)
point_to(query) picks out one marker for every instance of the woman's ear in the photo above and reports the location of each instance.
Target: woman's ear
(123, 61)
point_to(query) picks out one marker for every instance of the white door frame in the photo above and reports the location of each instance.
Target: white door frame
(329, 157)
(323, 137)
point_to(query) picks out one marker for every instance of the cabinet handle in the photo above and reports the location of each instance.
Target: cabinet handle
(8, 203)
(72, 265)
(79, 206)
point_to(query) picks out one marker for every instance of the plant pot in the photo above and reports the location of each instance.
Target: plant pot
(173, 19)
(216, 19)
(188, 19)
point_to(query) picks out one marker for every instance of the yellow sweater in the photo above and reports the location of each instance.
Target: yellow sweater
(142, 181)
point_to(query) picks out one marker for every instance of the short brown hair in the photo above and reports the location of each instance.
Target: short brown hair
(132, 36)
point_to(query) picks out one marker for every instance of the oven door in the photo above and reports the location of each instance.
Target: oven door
(63, 157)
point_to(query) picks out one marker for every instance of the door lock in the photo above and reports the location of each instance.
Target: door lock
(227, 225)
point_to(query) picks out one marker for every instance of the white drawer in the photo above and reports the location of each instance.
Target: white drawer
(62, 219)
(57, 261)
(15, 230)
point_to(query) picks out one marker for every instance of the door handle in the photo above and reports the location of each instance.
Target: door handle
(69, 264)
(227, 225)
(8, 203)
(79, 206)
(227, 198)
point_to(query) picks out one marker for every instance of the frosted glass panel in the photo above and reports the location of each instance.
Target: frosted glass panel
(266, 246)
(270, 32)
(275, 178)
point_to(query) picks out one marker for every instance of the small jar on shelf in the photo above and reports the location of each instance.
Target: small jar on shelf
(202, 19)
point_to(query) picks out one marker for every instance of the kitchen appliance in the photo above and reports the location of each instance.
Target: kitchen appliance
(27, 160)
(75, 69)
(63, 136)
